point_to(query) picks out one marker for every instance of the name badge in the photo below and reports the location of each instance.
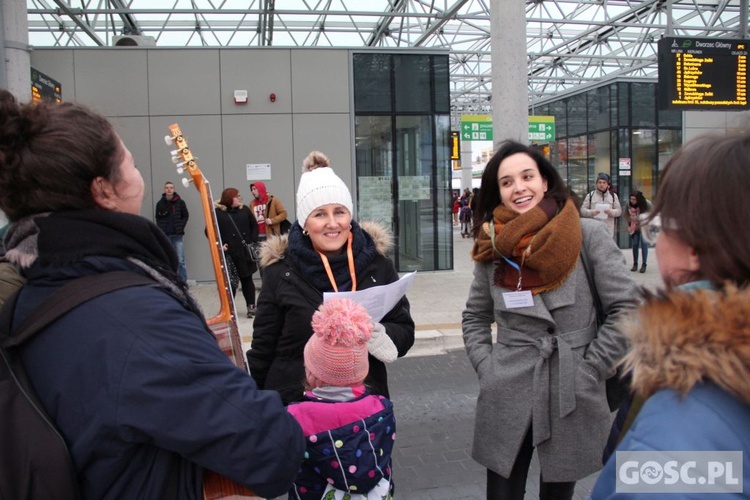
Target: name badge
(514, 300)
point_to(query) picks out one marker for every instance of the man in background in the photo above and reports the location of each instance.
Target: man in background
(602, 203)
(268, 211)
(171, 217)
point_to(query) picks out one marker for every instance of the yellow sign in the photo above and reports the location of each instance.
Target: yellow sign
(455, 146)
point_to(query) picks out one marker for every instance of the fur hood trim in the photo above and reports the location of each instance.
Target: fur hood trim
(681, 338)
(274, 248)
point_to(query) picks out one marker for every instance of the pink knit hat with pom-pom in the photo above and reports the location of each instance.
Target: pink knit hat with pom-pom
(336, 354)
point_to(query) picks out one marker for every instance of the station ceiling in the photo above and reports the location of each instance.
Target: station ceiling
(569, 43)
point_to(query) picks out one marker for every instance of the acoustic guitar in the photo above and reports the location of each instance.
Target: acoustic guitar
(224, 323)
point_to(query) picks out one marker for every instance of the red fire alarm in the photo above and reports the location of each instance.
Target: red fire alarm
(272, 97)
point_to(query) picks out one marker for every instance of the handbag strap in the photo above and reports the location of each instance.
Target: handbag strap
(238, 229)
(592, 286)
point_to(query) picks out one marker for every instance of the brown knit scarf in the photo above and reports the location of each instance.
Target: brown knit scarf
(545, 243)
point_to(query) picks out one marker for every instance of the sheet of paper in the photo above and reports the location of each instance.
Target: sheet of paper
(378, 300)
(601, 207)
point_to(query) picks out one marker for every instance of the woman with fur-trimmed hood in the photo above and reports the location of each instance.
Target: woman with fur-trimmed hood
(325, 251)
(690, 353)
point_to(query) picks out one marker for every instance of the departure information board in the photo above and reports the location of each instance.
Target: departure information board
(703, 73)
(44, 88)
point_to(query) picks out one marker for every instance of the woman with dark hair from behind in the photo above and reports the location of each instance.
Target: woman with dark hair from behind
(542, 383)
(237, 224)
(690, 356)
(133, 380)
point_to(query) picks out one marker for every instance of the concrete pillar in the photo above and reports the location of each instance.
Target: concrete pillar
(15, 74)
(467, 165)
(510, 92)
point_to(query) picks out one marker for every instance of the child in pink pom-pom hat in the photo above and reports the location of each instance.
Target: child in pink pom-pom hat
(349, 432)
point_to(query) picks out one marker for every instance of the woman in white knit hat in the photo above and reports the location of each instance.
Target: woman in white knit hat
(325, 251)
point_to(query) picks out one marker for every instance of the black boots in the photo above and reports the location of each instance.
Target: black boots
(643, 268)
(634, 268)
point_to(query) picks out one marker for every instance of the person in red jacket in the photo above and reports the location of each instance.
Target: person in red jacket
(268, 211)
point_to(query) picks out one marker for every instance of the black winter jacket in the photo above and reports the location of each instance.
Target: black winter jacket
(284, 311)
(244, 220)
(172, 215)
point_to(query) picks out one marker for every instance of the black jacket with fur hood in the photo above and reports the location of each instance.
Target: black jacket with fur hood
(284, 311)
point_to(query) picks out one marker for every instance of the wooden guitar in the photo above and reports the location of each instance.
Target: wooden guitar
(224, 323)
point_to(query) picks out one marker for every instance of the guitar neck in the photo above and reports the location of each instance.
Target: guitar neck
(224, 323)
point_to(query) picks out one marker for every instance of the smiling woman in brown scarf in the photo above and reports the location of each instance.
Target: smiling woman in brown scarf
(542, 384)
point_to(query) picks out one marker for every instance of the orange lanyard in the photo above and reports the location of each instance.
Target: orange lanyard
(350, 256)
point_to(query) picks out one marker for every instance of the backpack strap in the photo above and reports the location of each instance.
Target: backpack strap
(62, 301)
(590, 196)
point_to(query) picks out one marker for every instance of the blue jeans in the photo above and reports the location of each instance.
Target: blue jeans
(180, 249)
(637, 240)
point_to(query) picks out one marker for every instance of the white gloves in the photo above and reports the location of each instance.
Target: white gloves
(381, 346)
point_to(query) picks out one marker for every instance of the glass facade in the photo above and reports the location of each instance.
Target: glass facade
(617, 129)
(402, 150)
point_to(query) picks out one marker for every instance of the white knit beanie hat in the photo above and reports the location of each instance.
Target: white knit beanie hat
(321, 187)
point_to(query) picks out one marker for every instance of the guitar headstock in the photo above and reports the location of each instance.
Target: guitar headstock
(183, 158)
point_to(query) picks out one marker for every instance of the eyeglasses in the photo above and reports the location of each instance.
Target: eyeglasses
(651, 231)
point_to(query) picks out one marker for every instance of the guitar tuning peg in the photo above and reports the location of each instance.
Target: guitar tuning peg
(176, 160)
(180, 168)
(175, 153)
(186, 182)
(168, 139)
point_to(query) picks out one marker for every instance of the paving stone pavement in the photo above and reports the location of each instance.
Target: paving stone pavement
(434, 398)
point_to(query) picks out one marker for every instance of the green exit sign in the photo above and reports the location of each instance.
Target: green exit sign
(476, 127)
(541, 128)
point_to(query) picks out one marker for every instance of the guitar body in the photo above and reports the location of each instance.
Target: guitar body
(224, 323)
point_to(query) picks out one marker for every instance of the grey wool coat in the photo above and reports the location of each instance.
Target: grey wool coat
(548, 368)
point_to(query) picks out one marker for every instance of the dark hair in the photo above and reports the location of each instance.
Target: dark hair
(640, 201)
(489, 192)
(227, 197)
(50, 154)
(700, 203)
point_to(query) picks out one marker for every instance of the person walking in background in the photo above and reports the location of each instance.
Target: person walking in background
(133, 380)
(602, 203)
(315, 159)
(474, 199)
(464, 214)
(326, 251)
(690, 356)
(542, 383)
(456, 208)
(268, 210)
(238, 228)
(339, 413)
(171, 217)
(638, 208)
